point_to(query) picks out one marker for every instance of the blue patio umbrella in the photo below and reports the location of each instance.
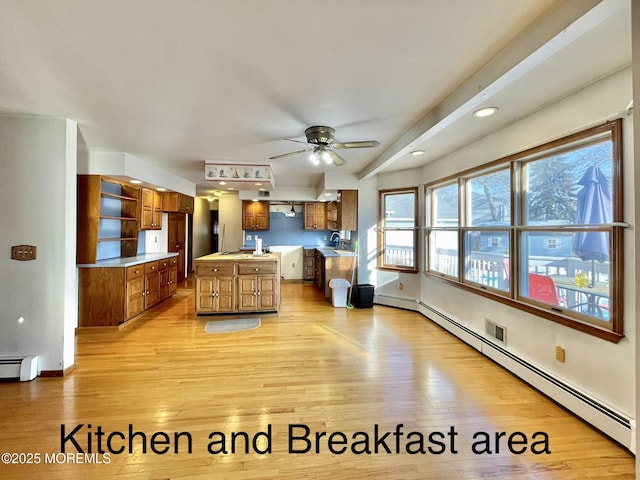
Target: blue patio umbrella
(593, 207)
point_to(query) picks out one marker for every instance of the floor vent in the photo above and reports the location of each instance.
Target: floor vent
(495, 331)
(23, 368)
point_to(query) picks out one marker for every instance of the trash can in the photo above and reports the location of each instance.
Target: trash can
(362, 295)
(339, 288)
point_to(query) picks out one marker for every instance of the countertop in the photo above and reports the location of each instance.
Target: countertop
(239, 256)
(129, 261)
(329, 251)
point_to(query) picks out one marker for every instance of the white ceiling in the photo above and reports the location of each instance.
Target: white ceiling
(178, 83)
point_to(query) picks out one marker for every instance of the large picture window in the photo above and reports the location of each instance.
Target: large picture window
(541, 230)
(397, 229)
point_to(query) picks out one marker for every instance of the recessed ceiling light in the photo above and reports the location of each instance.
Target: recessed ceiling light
(257, 184)
(222, 183)
(161, 189)
(229, 188)
(136, 181)
(485, 112)
(417, 152)
(262, 189)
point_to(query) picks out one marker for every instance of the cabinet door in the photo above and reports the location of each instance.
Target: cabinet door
(225, 298)
(315, 216)
(247, 293)
(266, 298)
(309, 264)
(348, 211)
(205, 295)
(173, 279)
(135, 296)
(248, 222)
(146, 209)
(163, 287)
(151, 284)
(157, 210)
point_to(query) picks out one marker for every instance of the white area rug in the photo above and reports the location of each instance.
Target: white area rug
(233, 325)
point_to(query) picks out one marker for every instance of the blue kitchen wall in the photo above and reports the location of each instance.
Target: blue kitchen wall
(287, 231)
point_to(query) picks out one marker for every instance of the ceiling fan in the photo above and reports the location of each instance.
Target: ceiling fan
(321, 139)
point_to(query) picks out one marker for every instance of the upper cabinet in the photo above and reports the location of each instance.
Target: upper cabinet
(177, 202)
(108, 219)
(151, 209)
(255, 215)
(315, 216)
(343, 213)
(348, 210)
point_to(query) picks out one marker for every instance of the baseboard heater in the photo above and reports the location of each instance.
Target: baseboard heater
(23, 368)
(398, 302)
(604, 418)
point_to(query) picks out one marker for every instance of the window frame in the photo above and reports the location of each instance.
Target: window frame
(611, 330)
(381, 265)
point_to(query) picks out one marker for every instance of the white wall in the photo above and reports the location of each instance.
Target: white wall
(230, 222)
(38, 190)
(590, 360)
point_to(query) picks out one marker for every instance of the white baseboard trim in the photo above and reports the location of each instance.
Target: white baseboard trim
(612, 423)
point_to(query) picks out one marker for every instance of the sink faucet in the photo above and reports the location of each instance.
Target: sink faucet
(333, 240)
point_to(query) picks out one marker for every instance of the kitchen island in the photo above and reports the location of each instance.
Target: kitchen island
(237, 282)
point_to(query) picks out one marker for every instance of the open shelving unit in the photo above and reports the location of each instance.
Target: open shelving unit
(108, 219)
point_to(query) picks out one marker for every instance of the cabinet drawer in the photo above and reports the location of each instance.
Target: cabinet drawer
(135, 271)
(215, 270)
(257, 267)
(164, 264)
(310, 252)
(150, 267)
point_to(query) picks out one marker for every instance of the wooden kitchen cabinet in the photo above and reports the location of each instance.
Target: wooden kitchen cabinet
(226, 283)
(348, 210)
(150, 209)
(151, 284)
(309, 264)
(111, 295)
(315, 216)
(216, 288)
(107, 219)
(177, 202)
(135, 290)
(343, 213)
(255, 215)
(257, 287)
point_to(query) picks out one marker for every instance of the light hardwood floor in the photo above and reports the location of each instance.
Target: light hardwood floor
(329, 369)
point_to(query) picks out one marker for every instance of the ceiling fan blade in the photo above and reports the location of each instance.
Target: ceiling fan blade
(363, 144)
(290, 153)
(337, 159)
(297, 141)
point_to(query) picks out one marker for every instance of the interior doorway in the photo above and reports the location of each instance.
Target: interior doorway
(214, 234)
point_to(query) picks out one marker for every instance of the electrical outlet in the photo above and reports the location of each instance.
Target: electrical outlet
(324, 238)
(560, 354)
(400, 286)
(248, 237)
(293, 264)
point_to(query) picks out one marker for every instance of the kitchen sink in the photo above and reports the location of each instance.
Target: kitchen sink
(343, 252)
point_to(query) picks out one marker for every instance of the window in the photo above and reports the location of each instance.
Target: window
(397, 229)
(541, 230)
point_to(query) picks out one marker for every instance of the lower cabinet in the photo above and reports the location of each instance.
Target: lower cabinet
(215, 288)
(109, 296)
(249, 286)
(309, 264)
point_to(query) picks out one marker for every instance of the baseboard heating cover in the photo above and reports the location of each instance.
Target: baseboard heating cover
(398, 302)
(604, 418)
(25, 368)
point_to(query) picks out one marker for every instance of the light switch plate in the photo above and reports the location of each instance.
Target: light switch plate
(23, 252)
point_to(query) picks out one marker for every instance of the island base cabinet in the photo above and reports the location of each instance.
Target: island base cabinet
(256, 293)
(215, 295)
(226, 283)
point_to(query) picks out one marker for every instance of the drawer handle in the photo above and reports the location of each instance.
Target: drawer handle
(137, 271)
(215, 269)
(257, 269)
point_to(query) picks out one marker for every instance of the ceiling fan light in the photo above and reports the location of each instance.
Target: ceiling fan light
(326, 157)
(314, 158)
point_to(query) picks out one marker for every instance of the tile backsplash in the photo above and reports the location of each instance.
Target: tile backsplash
(287, 231)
